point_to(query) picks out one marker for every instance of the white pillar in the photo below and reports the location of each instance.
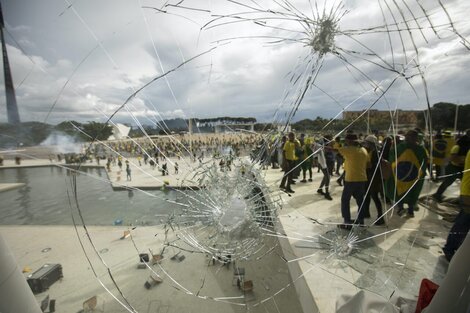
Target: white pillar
(15, 294)
(453, 294)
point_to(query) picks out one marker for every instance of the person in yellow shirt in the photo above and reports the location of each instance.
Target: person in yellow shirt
(288, 162)
(355, 165)
(449, 138)
(459, 230)
(456, 165)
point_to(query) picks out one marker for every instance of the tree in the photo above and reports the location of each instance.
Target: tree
(443, 116)
(95, 130)
(463, 117)
(69, 128)
(264, 127)
(39, 132)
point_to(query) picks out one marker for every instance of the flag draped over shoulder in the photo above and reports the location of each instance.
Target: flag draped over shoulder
(408, 169)
(439, 152)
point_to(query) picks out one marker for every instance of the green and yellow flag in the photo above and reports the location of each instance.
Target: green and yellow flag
(439, 149)
(409, 169)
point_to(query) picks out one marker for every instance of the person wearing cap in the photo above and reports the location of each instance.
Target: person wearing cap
(408, 168)
(355, 164)
(374, 179)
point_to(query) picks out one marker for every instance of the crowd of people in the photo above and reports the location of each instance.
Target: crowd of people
(156, 151)
(383, 169)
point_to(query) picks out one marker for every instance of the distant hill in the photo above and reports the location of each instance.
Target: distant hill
(27, 134)
(174, 124)
(443, 117)
(35, 133)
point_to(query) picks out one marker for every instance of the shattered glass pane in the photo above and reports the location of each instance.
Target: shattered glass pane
(200, 217)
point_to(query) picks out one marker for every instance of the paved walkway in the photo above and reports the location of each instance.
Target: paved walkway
(387, 260)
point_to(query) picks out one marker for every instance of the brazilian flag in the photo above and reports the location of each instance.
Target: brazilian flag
(439, 152)
(408, 168)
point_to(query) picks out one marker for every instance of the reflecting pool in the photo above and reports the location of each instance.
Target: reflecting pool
(44, 199)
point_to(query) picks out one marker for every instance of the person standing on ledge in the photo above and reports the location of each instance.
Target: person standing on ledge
(355, 165)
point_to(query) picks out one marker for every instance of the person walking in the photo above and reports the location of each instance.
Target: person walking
(461, 226)
(319, 148)
(374, 179)
(307, 160)
(128, 171)
(288, 163)
(439, 148)
(339, 158)
(409, 168)
(355, 164)
(455, 168)
(120, 162)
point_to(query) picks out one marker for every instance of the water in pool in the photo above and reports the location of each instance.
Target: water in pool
(44, 201)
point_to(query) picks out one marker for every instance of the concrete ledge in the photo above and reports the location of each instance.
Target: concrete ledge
(72, 166)
(304, 293)
(160, 187)
(30, 165)
(5, 187)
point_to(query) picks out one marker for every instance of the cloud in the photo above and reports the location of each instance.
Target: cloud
(104, 59)
(173, 114)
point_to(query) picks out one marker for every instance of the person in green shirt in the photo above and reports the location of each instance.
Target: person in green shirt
(408, 171)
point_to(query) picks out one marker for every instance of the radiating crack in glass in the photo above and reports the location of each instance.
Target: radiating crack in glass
(228, 211)
(234, 208)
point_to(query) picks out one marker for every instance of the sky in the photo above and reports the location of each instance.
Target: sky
(83, 60)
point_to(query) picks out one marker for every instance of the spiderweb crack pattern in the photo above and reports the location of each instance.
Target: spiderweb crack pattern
(234, 214)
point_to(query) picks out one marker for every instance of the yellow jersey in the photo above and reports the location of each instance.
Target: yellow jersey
(355, 163)
(289, 150)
